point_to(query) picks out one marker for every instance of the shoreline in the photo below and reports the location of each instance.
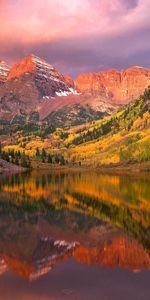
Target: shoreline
(144, 167)
(134, 167)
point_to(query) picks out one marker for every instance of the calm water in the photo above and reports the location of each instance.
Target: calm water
(74, 236)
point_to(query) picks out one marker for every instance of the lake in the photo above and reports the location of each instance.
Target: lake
(74, 235)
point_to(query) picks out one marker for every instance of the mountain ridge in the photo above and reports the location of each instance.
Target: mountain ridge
(119, 86)
(34, 87)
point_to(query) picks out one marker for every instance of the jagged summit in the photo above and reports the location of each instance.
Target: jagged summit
(30, 83)
(113, 85)
(47, 79)
(30, 63)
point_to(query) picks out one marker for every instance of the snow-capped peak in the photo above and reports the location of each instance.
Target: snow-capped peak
(4, 69)
(41, 62)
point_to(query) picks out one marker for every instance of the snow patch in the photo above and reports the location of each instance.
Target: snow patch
(40, 62)
(43, 75)
(71, 91)
(62, 93)
(48, 98)
(139, 67)
(63, 243)
(4, 69)
(50, 77)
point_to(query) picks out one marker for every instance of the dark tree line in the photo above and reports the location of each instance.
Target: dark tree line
(15, 157)
(95, 133)
(51, 159)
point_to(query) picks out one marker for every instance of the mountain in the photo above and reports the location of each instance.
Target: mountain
(117, 86)
(45, 78)
(29, 83)
(34, 91)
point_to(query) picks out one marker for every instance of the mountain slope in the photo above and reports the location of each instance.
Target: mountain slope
(123, 137)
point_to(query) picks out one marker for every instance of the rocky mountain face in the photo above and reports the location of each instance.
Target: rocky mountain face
(45, 78)
(29, 83)
(33, 91)
(117, 86)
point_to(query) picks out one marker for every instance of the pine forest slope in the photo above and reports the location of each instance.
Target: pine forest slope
(123, 137)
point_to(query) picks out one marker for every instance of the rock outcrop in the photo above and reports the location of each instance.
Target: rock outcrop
(116, 86)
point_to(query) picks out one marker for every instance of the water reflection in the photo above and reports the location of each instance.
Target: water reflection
(97, 219)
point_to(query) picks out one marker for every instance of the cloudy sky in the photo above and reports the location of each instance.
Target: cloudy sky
(77, 35)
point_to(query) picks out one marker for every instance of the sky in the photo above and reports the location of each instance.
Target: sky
(77, 36)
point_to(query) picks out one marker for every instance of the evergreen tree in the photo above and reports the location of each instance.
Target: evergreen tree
(37, 154)
(56, 159)
(16, 161)
(62, 160)
(25, 162)
(43, 160)
(44, 154)
(49, 160)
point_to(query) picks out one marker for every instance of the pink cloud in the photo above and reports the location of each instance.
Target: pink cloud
(38, 20)
(91, 30)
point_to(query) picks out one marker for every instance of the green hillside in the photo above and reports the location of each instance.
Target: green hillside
(123, 137)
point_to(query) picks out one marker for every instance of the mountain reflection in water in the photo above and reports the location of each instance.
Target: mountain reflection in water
(97, 219)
